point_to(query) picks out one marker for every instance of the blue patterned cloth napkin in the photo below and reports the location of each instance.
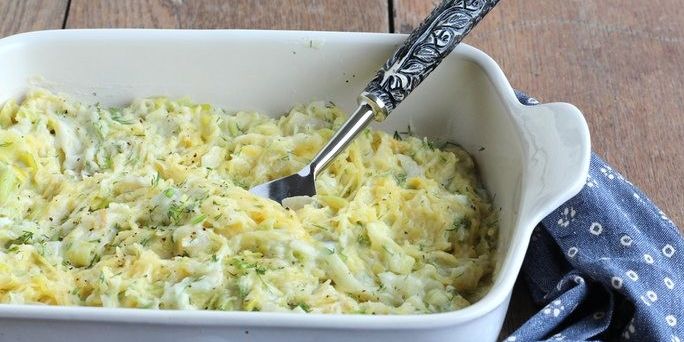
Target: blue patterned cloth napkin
(608, 265)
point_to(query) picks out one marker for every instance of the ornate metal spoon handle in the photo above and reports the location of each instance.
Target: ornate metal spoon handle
(422, 52)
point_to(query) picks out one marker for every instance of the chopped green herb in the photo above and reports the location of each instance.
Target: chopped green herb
(5, 144)
(260, 270)
(387, 249)
(146, 241)
(460, 223)
(155, 180)
(234, 128)
(400, 178)
(94, 260)
(428, 144)
(367, 132)
(363, 239)
(108, 162)
(169, 192)
(241, 183)
(397, 136)
(492, 220)
(99, 129)
(243, 292)
(24, 238)
(116, 114)
(319, 227)
(199, 219)
(175, 212)
(132, 159)
(305, 307)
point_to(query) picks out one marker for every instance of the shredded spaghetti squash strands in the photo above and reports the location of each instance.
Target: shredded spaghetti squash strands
(146, 206)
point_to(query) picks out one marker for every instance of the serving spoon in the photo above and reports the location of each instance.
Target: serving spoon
(420, 54)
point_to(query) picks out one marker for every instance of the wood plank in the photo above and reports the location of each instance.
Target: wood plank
(30, 15)
(329, 15)
(616, 60)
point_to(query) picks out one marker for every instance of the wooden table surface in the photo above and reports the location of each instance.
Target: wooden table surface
(619, 61)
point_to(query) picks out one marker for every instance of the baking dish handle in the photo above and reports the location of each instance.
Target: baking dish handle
(557, 153)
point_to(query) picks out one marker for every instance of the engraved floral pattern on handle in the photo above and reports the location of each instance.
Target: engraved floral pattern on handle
(424, 49)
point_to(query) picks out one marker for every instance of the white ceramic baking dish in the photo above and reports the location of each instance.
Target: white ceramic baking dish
(532, 158)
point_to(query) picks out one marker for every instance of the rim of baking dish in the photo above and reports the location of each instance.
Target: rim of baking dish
(495, 297)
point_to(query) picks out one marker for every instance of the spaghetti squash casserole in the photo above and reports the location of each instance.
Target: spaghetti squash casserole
(146, 206)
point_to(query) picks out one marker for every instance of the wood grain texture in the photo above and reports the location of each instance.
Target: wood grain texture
(327, 15)
(30, 15)
(619, 61)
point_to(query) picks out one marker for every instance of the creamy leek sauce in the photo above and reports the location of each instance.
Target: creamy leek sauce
(146, 206)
